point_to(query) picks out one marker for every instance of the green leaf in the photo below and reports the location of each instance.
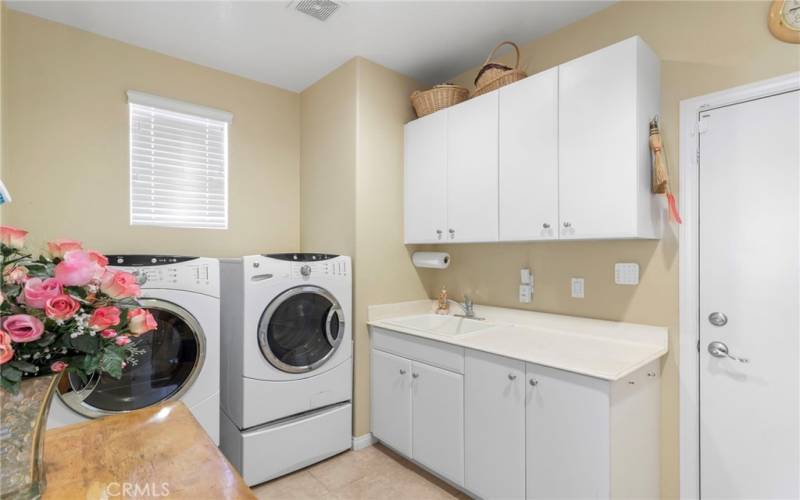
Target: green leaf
(9, 385)
(90, 363)
(10, 373)
(24, 366)
(86, 343)
(47, 339)
(111, 363)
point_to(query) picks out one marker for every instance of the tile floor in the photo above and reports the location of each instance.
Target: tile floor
(373, 473)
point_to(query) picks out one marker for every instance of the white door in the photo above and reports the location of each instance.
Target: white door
(529, 158)
(472, 170)
(391, 400)
(597, 143)
(567, 435)
(426, 179)
(749, 252)
(438, 420)
(494, 425)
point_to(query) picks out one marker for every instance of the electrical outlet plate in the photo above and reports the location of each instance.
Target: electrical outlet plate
(626, 273)
(525, 276)
(577, 288)
(525, 294)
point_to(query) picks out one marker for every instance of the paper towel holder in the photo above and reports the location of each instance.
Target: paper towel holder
(431, 260)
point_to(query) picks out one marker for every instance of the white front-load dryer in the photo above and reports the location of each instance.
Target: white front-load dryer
(286, 361)
(179, 360)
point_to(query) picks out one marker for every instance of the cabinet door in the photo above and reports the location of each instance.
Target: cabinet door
(598, 185)
(567, 435)
(472, 170)
(528, 178)
(391, 400)
(494, 426)
(438, 420)
(426, 179)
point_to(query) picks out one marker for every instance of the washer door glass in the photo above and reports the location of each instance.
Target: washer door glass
(170, 359)
(301, 329)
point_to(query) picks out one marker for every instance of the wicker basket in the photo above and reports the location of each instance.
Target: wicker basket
(494, 75)
(439, 97)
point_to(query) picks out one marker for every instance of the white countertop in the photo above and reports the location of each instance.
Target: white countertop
(608, 350)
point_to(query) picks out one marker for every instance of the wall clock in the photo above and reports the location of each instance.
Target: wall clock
(784, 20)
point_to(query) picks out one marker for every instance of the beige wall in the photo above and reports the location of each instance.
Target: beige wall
(383, 272)
(704, 47)
(327, 163)
(352, 193)
(66, 124)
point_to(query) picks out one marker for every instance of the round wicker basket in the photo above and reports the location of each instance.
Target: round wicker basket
(494, 75)
(439, 97)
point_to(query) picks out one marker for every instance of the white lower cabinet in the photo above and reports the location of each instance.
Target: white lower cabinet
(507, 429)
(495, 425)
(391, 400)
(437, 408)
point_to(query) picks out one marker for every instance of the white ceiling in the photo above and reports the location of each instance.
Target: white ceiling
(273, 43)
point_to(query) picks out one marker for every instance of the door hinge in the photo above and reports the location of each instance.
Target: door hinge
(698, 346)
(702, 126)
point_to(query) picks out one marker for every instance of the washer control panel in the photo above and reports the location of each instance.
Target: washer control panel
(196, 274)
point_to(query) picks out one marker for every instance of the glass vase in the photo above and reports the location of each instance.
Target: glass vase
(23, 421)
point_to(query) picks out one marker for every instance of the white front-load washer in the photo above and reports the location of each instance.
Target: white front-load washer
(286, 361)
(179, 360)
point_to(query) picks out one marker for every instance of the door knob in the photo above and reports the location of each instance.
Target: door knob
(438, 234)
(567, 224)
(402, 372)
(546, 225)
(718, 319)
(511, 376)
(720, 350)
(534, 382)
(415, 375)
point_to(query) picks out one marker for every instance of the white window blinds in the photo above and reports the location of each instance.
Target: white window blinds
(178, 163)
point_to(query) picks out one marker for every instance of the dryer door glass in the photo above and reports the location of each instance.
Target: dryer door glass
(169, 360)
(301, 329)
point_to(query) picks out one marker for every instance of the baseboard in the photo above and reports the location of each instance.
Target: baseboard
(363, 441)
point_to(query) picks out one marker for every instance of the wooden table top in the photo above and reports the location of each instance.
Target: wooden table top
(155, 452)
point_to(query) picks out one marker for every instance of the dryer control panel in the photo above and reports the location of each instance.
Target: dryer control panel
(332, 268)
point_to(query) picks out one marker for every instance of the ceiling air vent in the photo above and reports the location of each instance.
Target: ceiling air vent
(320, 9)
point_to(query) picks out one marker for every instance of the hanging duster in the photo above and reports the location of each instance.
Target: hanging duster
(660, 171)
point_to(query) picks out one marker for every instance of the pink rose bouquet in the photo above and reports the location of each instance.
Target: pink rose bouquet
(65, 312)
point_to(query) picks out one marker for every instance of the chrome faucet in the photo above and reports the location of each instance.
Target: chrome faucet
(468, 308)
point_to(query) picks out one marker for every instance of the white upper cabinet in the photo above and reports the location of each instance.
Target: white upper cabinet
(528, 184)
(562, 154)
(472, 170)
(606, 100)
(426, 179)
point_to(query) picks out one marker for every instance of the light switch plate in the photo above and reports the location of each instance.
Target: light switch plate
(626, 273)
(577, 288)
(525, 294)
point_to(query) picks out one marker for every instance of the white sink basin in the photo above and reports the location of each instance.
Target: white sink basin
(441, 325)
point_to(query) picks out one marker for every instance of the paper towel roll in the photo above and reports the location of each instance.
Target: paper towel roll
(433, 260)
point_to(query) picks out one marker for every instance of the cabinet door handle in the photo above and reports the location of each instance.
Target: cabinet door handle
(415, 375)
(438, 234)
(534, 382)
(452, 233)
(567, 224)
(511, 376)
(546, 225)
(402, 371)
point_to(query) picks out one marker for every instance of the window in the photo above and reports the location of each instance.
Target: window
(178, 163)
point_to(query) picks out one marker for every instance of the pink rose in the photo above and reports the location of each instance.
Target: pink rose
(119, 285)
(108, 333)
(98, 258)
(23, 328)
(58, 366)
(104, 317)
(59, 248)
(12, 237)
(141, 321)
(61, 308)
(16, 274)
(77, 269)
(122, 340)
(6, 351)
(37, 292)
